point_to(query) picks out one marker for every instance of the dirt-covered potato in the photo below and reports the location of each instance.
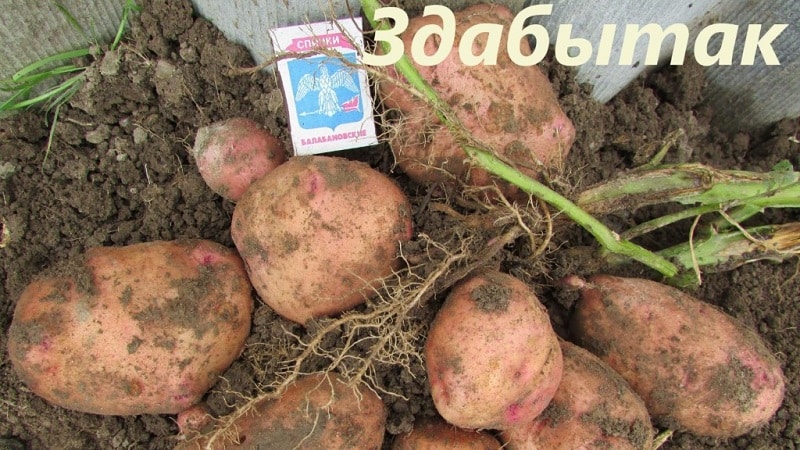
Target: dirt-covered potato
(436, 434)
(594, 408)
(233, 153)
(318, 232)
(316, 412)
(696, 368)
(492, 358)
(142, 329)
(509, 107)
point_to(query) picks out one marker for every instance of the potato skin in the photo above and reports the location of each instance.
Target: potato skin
(233, 153)
(594, 408)
(142, 329)
(316, 231)
(696, 368)
(511, 108)
(436, 434)
(317, 411)
(492, 357)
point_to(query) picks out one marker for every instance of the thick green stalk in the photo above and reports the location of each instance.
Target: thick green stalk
(725, 251)
(488, 161)
(662, 221)
(694, 184)
(610, 240)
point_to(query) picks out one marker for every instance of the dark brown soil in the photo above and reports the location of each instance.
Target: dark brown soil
(120, 171)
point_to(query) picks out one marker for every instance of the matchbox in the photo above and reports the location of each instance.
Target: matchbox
(327, 93)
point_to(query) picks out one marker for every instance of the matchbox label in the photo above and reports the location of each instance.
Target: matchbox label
(327, 95)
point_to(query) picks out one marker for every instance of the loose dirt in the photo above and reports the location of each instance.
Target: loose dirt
(120, 171)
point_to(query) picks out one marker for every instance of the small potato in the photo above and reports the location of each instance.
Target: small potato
(317, 234)
(594, 408)
(142, 329)
(234, 153)
(509, 107)
(696, 368)
(436, 434)
(492, 357)
(316, 412)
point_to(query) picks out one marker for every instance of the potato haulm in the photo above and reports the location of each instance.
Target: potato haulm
(318, 233)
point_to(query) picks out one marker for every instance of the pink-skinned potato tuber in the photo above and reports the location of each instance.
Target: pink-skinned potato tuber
(594, 408)
(492, 358)
(696, 368)
(511, 108)
(318, 233)
(436, 434)
(142, 329)
(318, 411)
(233, 153)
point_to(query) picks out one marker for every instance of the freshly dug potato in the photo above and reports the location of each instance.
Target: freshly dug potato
(594, 408)
(233, 153)
(316, 412)
(142, 329)
(318, 232)
(436, 434)
(509, 107)
(492, 357)
(696, 368)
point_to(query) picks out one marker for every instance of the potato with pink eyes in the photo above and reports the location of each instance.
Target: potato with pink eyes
(492, 358)
(317, 411)
(696, 368)
(319, 233)
(142, 329)
(511, 108)
(233, 153)
(594, 408)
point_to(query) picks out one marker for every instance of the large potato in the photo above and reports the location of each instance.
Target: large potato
(436, 434)
(511, 108)
(696, 368)
(492, 357)
(317, 234)
(316, 412)
(142, 329)
(594, 408)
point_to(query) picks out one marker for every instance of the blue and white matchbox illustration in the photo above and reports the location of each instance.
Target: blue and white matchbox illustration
(327, 97)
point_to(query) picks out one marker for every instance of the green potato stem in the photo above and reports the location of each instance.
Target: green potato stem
(485, 159)
(726, 251)
(692, 184)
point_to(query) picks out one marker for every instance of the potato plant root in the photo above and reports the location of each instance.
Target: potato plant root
(142, 329)
(695, 367)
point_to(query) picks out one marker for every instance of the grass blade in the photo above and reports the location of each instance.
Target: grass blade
(63, 56)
